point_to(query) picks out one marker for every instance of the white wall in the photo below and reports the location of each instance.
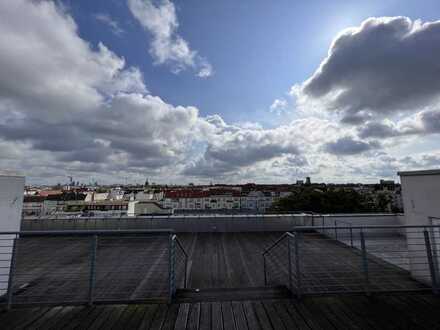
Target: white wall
(11, 204)
(421, 199)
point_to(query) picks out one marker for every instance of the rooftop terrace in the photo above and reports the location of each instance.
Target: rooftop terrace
(341, 276)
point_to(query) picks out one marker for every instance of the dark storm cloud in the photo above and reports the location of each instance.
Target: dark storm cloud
(387, 65)
(377, 130)
(431, 121)
(236, 148)
(349, 146)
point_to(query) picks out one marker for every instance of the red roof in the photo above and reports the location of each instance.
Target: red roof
(186, 194)
(189, 193)
(46, 193)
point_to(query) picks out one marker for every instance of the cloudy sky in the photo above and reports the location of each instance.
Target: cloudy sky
(224, 91)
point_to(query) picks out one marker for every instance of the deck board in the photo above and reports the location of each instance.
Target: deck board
(338, 312)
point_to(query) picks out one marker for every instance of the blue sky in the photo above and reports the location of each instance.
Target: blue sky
(258, 49)
(227, 91)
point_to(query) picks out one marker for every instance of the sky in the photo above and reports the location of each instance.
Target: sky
(117, 91)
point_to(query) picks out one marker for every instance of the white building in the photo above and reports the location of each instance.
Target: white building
(11, 203)
(421, 200)
(139, 208)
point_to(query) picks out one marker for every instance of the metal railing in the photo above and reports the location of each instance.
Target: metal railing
(88, 267)
(276, 270)
(355, 259)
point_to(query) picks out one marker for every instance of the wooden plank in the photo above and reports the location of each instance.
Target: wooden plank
(217, 319)
(273, 316)
(182, 317)
(19, 318)
(110, 316)
(240, 318)
(148, 316)
(251, 317)
(287, 320)
(412, 312)
(228, 316)
(136, 317)
(302, 317)
(171, 317)
(312, 311)
(360, 306)
(66, 320)
(63, 314)
(262, 317)
(354, 314)
(85, 316)
(194, 317)
(205, 316)
(159, 317)
(40, 322)
(125, 317)
(332, 305)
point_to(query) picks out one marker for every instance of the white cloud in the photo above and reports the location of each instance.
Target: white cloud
(167, 46)
(110, 22)
(76, 109)
(384, 67)
(278, 106)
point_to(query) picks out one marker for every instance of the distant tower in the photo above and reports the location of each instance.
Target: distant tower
(308, 182)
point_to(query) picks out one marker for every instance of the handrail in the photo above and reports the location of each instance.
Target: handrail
(176, 239)
(87, 232)
(277, 242)
(306, 228)
(345, 222)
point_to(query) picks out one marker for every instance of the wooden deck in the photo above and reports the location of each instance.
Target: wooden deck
(136, 269)
(418, 311)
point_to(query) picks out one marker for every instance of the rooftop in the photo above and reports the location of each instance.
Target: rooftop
(226, 286)
(416, 311)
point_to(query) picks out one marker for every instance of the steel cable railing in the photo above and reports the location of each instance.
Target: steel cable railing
(281, 263)
(87, 267)
(388, 258)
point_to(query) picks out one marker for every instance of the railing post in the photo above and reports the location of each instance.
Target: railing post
(11, 274)
(365, 263)
(431, 262)
(92, 273)
(336, 229)
(171, 267)
(351, 235)
(186, 271)
(289, 254)
(264, 270)
(298, 265)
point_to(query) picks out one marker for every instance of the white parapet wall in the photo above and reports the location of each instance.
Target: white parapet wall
(421, 200)
(11, 203)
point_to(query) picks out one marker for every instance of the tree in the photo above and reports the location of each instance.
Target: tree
(323, 201)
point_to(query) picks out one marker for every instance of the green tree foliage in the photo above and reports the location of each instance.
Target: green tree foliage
(324, 201)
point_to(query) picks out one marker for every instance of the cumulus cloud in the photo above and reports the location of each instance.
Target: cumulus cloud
(68, 107)
(231, 148)
(167, 46)
(278, 106)
(110, 22)
(385, 66)
(81, 104)
(421, 123)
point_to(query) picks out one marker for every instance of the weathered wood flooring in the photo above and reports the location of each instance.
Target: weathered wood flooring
(418, 311)
(57, 269)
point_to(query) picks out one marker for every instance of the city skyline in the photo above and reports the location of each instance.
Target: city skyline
(186, 92)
